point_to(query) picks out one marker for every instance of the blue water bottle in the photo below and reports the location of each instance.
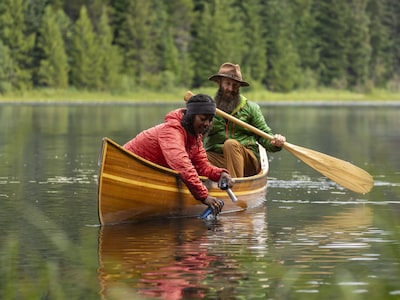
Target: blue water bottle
(208, 214)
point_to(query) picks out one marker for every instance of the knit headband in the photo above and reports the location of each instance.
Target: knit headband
(200, 108)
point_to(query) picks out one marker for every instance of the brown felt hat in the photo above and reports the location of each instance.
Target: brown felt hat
(231, 71)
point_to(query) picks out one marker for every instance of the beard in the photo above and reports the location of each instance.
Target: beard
(225, 102)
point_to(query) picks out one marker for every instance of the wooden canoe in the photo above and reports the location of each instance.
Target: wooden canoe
(133, 189)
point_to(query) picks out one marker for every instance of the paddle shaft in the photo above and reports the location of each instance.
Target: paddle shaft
(342, 172)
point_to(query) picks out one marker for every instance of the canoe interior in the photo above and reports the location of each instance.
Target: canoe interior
(132, 189)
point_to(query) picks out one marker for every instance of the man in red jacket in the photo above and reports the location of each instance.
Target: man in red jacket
(177, 144)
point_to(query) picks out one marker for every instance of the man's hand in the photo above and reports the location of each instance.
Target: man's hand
(278, 140)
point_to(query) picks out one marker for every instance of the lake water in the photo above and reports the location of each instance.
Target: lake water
(311, 239)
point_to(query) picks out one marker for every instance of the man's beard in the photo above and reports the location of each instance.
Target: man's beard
(227, 103)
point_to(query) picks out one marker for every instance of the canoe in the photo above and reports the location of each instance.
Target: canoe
(133, 189)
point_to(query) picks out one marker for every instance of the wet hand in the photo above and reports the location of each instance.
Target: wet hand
(215, 205)
(278, 140)
(228, 179)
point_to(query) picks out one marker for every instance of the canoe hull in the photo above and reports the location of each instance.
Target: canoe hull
(132, 189)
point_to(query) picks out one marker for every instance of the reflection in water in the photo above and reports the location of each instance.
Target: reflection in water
(320, 241)
(176, 258)
(166, 259)
(239, 255)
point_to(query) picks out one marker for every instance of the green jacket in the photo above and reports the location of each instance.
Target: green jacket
(222, 129)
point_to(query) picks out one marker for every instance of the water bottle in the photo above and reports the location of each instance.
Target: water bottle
(208, 214)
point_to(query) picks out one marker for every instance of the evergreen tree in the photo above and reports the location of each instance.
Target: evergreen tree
(6, 69)
(359, 51)
(218, 38)
(180, 18)
(33, 15)
(139, 37)
(254, 61)
(393, 23)
(66, 27)
(12, 33)
(85, 69)
(305, 41)
(56, 4)
(283, 60)
(381, 56)
(171, 67)
(331, 30)
(53, 69)
(110, 60)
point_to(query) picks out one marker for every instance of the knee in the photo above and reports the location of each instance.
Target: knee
(231, 144)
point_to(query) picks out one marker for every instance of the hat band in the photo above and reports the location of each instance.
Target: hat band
(200, 108)
(235, 77)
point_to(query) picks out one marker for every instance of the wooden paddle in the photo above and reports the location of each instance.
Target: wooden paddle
(340, 171)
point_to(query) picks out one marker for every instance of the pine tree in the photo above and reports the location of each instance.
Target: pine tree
(53, 69)
(180, 18)
(380, 66)
(283, 60)
(171, 65)
(331, 30)
(12, 33)
(110, 60)
(218, 38)
(359, 51)
(305, 41)
(85, 69)
(254, 61)
(6, 69)
(393, 23)
(138, 40)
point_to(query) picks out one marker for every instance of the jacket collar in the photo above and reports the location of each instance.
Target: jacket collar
(242, 103)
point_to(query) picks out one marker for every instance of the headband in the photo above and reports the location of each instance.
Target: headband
(200, 108)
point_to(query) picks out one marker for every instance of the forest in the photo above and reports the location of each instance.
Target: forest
(125, 45)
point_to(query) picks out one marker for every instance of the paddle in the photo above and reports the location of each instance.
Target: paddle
(340, 171)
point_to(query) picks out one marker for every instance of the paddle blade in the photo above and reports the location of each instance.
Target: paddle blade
(340, 171)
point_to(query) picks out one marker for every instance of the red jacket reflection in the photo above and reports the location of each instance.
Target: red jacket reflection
(170, 145)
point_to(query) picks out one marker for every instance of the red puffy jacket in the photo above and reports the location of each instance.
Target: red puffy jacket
(169, 145)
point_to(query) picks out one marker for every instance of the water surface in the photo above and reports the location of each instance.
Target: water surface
(311, 239)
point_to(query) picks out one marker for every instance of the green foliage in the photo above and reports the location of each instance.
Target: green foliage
(331, 30)
(109, 58)
(85, 68)
(381, 56)
(254, 64)
(283, 59)
(139, 38)
(218, 39)
(283, 45)
(359, 52)
(53, 69)
(6, 69)
(180, 15)
(12, 33)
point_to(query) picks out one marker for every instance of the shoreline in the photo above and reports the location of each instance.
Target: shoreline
(311, 103)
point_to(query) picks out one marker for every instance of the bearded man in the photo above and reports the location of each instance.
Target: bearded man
(229, 145)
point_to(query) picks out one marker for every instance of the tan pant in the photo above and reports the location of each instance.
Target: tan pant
(239, 160)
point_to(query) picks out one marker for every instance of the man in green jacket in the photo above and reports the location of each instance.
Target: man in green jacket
(229, 145)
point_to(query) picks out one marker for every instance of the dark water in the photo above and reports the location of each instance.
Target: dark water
(310, 240)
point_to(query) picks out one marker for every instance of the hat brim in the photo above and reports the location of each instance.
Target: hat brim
(217, 76)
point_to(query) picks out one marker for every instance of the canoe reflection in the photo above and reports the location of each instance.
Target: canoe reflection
(166, 259)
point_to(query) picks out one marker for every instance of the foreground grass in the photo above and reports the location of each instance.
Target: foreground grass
(260, 95)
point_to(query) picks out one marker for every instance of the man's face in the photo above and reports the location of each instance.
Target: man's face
(228, 96)
(229, 87)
